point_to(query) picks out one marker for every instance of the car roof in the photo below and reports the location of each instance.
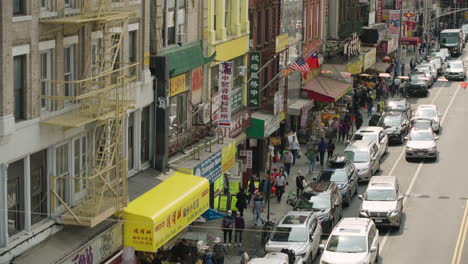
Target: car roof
(451, 30)
(382, 182)
(317, 188)
(359, 144)
(295, 219)
(427, 106)
(352, 226)
(369, 129)
(392, 113)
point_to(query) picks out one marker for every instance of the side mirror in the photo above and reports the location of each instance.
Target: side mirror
(321, 246)
(401, 197)
(361, 197)
(373, 249)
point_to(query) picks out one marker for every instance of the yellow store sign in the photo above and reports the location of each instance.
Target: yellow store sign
(228, 156)
(282, 42)
(354, 67)
(177, 85)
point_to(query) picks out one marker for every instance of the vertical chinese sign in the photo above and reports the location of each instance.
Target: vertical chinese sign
(224, 83)
(254, 79)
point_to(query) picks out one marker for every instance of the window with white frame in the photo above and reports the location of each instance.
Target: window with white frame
(174, 22)
(62, 173)
(69, 70)
(133, 49)
(69, 3)
(46, 76)
(38, 183)
(15, 197)
(227, 16)
(80, 168)
(19, 7)
(45, 4)
(19, 63)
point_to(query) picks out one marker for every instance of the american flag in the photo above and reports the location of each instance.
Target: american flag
(300, 65)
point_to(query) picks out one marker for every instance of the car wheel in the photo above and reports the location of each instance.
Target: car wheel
(407, 159)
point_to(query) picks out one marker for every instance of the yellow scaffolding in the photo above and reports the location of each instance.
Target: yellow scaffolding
(101, 101)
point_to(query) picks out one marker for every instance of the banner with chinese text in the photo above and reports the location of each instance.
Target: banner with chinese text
(224, 83)
(254, 79)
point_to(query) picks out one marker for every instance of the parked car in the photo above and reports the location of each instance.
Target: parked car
(323, 198)
(341, 171)
(439, 64)
(429, 111)
(399, 105)
(373, 133)
(382, 201)
(432, 67)
(421, 122)
(353, 241)
(418, 84)
(431, 73)
(365, 156)
(455, 70)
(299, 231)
(421, 144)
(271, 258)
(396, 125)
(441, 54)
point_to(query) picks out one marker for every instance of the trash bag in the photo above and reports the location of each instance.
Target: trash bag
(212, 214)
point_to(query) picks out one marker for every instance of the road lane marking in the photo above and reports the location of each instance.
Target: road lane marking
(415, 175)
(461, 238)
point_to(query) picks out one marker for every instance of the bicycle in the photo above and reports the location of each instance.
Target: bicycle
(267, 229)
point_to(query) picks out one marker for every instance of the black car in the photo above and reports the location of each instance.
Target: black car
(341, 171)
(400, 105)
(325, 200)
(417, 85)
(396, 125)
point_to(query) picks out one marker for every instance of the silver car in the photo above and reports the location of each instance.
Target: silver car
(365, 156)
(382, 201)
(421, 144)
(353, 241)
(429, 111)
(455, 70)
(432, 67)
(299, 231)
(373, 133)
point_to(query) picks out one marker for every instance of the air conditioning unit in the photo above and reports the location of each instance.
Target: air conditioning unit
(242, 70)
(204, 113)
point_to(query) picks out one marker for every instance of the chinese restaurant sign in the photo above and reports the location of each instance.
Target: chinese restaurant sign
(224, 83)
(254, 79)
(177, 85)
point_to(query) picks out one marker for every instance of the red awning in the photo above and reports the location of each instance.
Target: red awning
(325, 89)
(413, 41)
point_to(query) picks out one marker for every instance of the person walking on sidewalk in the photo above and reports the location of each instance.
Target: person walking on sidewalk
(300, 184)
(295, 149)
(287, 160)
(228, 225)
(241, 203)
(219, 251)
(226, 182)
(370, 104)
(359, 120)
(322, 148)
(280, 183)
(282, 172)
(311, 156)
(239, 226)
(257, 208)
(330, 149)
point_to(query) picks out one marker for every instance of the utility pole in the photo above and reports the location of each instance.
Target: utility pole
(398, 65)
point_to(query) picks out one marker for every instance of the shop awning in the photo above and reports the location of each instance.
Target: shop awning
(155, 217)
(413, 41)
(263, 125)
(379, 67)
(296, 107)
(324, 89)
(186, 58)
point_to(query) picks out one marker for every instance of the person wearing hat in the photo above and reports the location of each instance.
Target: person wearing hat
(300, 184)
(228, 225)
(226, 182)
(219, 251)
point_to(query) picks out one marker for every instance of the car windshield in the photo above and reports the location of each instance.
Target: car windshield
(390, 121)
(380, 195)
(422, 123)
(421, 136)
(357, 156)
(338, 175)
(396, 105)
(456, 66)
(426, 113)
(318, 202)
(449, 38)
(289, 234)
(347, 244)
(416, 78)
(365, 136)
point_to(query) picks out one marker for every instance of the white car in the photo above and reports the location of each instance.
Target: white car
(431, 69)
(429, 111)
(271, 258)
(299, 231)
(455, 70)
(446, 52)
(353, 241)
(373, 133)
(421, 143)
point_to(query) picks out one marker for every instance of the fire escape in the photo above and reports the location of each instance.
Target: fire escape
(100, 103)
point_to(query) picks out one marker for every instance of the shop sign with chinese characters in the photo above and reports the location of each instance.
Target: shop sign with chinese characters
(224, 83)
(254, 79)
(248, 158)
(278, 106)
(99, 249)
(177, 85)
(240, 122)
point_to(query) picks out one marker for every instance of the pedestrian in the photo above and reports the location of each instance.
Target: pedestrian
(239, 226)
(411, 63)
(322, 148)
(228, 225)
(330, 149)
(219, 251)
(287, 160)
(252, 186)
(396, 86)
(300, 184)
(359, 121)
(181, 253)
(280, 183)
(257, 208)
(282, 172)
(226, 182)
(295, 149)
(312, 156)
(370, 105)
(274, 175)
(402, 69)
(334, 126)
(241, 202)
(342, 128)
(346, 131)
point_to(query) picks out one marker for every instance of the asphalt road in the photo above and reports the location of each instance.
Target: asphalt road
(435, 225)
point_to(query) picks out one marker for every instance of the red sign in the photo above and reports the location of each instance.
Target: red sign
(197, 79)
(398, 4)
(240, 122)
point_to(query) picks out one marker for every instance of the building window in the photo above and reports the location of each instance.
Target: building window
(18, 86)
(38, 176)
(132, 46)
(214, 80)
(69, 70)
(259, 28)
(267, 26)
(15, 200)
(45, 4)
(69, 3)
(174, 22)
(62, 173)
(237, 79)
(46, 77)
(130, 141)
(80, 168)
(145, 133)
(95, 46)
(227, 16)
(311, 21)
(178, 114)
(389, 4)
(19, 7)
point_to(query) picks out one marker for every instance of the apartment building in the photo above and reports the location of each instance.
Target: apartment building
(68, 80)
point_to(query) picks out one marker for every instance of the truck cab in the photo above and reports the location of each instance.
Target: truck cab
(452, 39)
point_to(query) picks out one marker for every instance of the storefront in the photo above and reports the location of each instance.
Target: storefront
(298, 114)
(160, 215)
